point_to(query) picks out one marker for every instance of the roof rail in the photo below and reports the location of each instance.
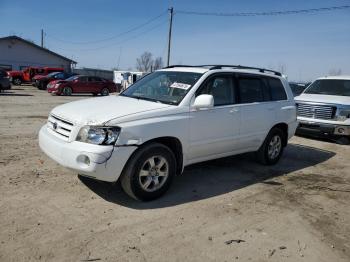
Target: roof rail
(262, 70)
(172, 66)
(213, 67)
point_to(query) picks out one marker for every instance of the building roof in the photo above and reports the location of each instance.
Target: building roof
(14, 37)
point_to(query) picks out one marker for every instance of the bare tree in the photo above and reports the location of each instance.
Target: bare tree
(334, 72)
(145, 62)
(158, 63)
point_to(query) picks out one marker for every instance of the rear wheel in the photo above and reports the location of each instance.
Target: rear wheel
(17, 81)
(149, 172)
(67, 91)
(271, 150)
(105, 91)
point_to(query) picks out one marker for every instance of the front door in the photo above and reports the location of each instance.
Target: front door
(214, 132)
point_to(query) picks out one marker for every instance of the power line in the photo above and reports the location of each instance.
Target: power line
(266, 13)
(121, 42)
(112, 37)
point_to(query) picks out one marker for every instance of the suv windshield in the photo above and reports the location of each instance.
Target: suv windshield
(329, 87)
(168, 87)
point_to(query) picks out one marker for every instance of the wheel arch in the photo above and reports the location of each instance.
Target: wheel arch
(173, 143)
(284, 128)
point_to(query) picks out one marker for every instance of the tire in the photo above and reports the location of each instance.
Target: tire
(272, 149)
(344, 140)
(105, 91)
(17, 81)
(67, 91)
(41, 85)
(145, 181)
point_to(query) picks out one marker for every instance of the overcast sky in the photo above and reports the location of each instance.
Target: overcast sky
(309, 45)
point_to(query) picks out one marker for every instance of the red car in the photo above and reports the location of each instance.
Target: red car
(82, 84)
(27, 74)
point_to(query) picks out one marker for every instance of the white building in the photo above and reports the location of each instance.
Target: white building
(17, 53)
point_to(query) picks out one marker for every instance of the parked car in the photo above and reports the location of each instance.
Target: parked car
(324, 108)
(170, 119)
(5, 82)
(26, 75)
(82, 84)
(41, 81)
(297, 88)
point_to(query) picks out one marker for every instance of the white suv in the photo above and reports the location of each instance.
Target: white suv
(169, 119)
(324, 108)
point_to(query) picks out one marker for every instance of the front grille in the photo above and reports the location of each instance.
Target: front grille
(60, 127)
(316, 111)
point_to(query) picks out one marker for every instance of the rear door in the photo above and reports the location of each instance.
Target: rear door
(257, 110)
(93, 84)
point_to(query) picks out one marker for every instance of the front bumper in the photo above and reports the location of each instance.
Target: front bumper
(322, 129)
(53, 90)
(105, 163)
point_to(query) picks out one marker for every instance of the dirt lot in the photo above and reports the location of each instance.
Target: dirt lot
(230, 209)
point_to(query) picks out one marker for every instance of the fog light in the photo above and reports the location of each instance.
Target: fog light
(83, 159)
(341, 130)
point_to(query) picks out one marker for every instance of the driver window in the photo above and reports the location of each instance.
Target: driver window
(221, 88)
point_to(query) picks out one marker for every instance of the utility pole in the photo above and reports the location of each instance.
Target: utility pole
(42, 37)
(171, 12)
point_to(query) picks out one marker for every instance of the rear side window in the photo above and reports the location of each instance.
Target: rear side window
(277, 90)
(94, 79)
(83, 79)
(251, 90)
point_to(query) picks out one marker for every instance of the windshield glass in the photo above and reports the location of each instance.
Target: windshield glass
(71, 78)
(52, 74)
(163, 86)
(329, 87)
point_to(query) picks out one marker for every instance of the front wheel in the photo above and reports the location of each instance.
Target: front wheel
(67, 91)
(105, 92)
(17, 81)
(272, 148)
(149, 172)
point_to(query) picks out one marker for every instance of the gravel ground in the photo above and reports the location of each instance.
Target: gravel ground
(230, 209)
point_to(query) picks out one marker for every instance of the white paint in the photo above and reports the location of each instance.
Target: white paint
(204, 134)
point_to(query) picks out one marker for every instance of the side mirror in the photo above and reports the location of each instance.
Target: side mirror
(203, 102)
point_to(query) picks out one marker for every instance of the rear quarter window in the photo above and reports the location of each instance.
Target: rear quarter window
(277, 89)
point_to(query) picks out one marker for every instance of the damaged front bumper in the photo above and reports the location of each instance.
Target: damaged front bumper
(104, 163)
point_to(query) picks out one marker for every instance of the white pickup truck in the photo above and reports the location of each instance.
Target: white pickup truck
(324, 108)
(169, 119)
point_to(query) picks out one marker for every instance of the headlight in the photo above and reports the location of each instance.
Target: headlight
(343, 114)
(98, 135)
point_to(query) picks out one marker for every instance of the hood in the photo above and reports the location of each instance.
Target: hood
(53, 82)
(97, 111)
(38, 77)
(341, 100)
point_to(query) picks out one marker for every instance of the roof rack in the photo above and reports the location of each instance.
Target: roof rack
(214, 67)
